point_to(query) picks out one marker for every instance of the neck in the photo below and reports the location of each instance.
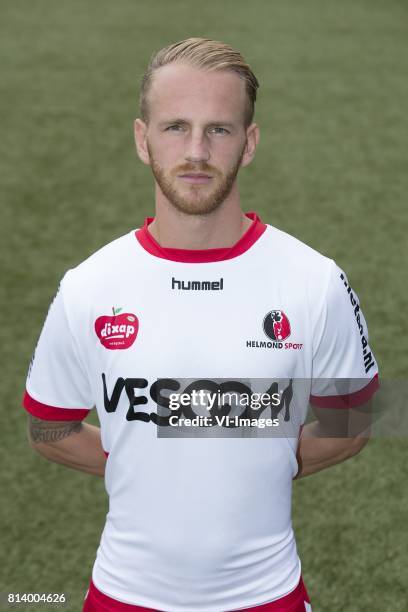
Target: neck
(220, 229)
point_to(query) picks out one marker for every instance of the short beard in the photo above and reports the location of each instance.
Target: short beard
(196, 204)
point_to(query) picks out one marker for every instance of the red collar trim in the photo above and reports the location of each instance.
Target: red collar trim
(254, 231)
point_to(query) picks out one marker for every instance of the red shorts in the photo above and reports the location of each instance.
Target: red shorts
(296, 601)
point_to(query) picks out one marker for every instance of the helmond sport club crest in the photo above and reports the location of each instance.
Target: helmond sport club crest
(276, 325)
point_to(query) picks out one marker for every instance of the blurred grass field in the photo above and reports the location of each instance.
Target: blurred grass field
(331, 169)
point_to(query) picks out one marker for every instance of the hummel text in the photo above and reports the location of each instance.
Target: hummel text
(197, 285)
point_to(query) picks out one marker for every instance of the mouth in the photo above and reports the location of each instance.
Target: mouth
(192, 177)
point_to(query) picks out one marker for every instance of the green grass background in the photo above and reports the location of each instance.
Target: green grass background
(331, 169)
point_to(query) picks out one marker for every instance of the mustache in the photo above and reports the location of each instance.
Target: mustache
(199, 167)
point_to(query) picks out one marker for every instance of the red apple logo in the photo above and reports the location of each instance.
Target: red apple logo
(118, 331)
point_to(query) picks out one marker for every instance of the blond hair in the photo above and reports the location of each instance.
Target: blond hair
(205, 54)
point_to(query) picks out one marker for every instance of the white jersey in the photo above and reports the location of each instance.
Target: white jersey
(198, 523)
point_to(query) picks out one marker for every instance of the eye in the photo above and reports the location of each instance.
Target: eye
(174, 128)
(219, 130)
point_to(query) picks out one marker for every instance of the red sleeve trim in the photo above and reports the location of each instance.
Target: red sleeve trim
(347, 401)
(52, 413)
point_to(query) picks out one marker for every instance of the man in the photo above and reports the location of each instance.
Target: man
(202, 292)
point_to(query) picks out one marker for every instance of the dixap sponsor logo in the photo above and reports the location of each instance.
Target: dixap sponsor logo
(118, 331)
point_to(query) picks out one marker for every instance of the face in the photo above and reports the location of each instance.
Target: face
(195, 140)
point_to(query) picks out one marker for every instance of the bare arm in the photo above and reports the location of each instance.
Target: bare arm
(336, 435)
(72, 443)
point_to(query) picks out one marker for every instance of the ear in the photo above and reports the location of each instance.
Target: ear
(252, 140)
(140, 130)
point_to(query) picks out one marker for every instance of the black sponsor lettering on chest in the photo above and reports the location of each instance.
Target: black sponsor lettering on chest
(131, 385)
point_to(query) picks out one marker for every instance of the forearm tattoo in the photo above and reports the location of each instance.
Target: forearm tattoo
(51, 431)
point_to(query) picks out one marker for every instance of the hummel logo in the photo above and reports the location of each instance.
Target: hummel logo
(197, 285)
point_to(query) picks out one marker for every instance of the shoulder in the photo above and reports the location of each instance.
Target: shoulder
(104, 273)
(290, 256)
(101, 266)
(292, 246)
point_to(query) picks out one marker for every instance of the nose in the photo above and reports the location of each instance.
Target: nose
(197, 147)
